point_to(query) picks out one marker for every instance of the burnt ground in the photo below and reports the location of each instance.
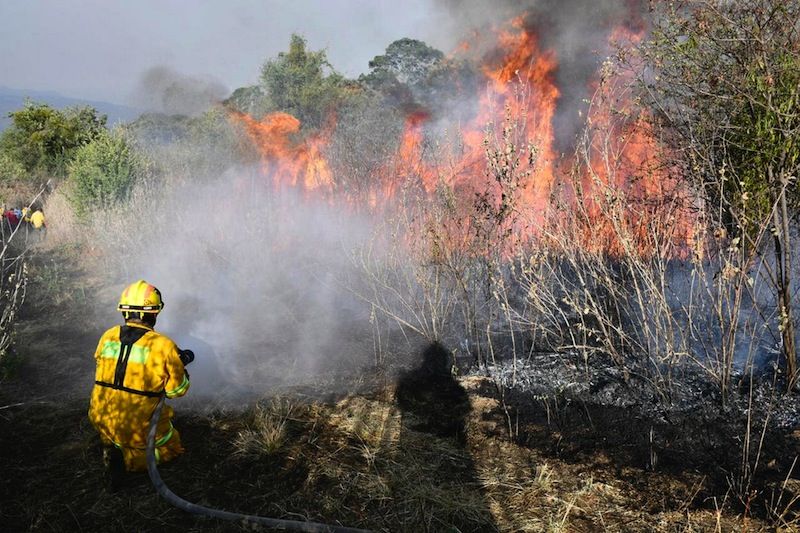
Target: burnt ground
(416, 450)
(742, 447)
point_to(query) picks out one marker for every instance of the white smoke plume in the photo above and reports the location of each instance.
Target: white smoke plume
(254, 281)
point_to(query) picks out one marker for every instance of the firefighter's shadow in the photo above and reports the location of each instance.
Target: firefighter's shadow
(433, 436)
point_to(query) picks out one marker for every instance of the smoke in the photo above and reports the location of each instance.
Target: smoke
(253, 279)
(259, 283)
(163, 90)
(254, 282)
(578, 31)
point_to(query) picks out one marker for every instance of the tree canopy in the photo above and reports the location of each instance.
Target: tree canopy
(42, 139)
(412, 75)
(302, 82)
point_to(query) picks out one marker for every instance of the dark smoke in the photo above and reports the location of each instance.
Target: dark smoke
(163, 90)
(577, 31)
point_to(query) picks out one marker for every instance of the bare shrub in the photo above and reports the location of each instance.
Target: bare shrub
(632, 267)
(13, 282)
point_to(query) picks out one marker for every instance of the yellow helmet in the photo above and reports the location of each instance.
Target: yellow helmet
(141, 296)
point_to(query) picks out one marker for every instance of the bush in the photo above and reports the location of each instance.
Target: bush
(42, 139)
(10, 169)
(103, 172)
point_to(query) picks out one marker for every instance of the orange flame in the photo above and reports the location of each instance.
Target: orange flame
(520, 82)
(286, 158)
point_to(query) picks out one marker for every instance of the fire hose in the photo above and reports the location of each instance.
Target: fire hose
(189, 507)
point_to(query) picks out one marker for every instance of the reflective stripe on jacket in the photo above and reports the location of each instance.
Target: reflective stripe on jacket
(135, 365)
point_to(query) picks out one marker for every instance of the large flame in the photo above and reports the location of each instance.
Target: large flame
(519, 82)
(288, 159)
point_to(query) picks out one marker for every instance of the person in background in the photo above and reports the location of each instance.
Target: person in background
(38, 223)
(12, 219)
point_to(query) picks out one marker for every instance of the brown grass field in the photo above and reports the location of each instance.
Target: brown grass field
(422, 455)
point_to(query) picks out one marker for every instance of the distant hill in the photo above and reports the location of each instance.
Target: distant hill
(13, 99)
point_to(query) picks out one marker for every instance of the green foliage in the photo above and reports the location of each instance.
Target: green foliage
(252, 100)
(214, 143)
(191, 148)
(302, 82)
(412, 76)
(42, 139)
(406, 61)
(10, 169)
(103, 172)
(764, 138)
(158, 128)
(727, 85)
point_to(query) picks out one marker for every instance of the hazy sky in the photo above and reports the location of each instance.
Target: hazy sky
(99, 49)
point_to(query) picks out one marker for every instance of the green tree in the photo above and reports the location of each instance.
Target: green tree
(103, 172)
(412, 75)
(302, 82)
(723, 78)
(43, 139)
(252, 100)
(406, 61)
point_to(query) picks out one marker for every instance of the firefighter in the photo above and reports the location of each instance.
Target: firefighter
(38, 223)
(135, 367)
(12, 219)
(37, 219)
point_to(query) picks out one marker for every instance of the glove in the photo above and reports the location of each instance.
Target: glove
(187, 356)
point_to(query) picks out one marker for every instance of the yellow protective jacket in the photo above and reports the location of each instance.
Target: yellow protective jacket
(37, 219)
(135, 366)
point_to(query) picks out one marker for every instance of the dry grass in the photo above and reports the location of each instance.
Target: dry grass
(63, 227)
(360, 461)
(364, 457)
(266, 434)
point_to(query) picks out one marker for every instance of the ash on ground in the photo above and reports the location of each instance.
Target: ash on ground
(687, 391)
(576, 409)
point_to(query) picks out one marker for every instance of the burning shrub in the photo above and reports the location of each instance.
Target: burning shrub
(723, 78)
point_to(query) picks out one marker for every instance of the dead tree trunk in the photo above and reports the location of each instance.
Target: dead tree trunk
(783, 262)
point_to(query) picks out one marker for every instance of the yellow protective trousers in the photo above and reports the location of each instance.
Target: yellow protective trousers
(135, 367)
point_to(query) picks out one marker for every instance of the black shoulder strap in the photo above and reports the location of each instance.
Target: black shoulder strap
(127, 337)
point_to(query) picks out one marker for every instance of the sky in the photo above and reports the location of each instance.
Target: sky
(101, 49)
